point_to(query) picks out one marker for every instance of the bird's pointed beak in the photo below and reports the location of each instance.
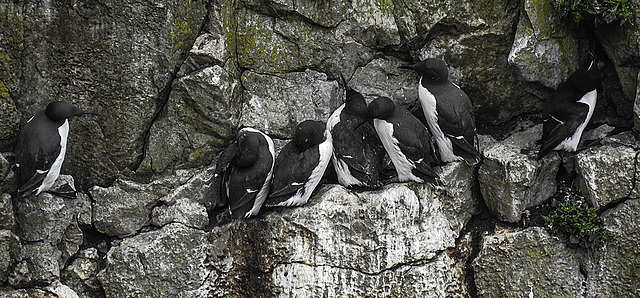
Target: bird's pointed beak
(412, 66)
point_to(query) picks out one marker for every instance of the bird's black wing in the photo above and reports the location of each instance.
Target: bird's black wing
(457, 121)
(561, 119)
(359, 147)
(291, 171)
(416, 145)
(35, 153)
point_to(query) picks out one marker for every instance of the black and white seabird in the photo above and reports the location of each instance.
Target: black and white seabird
(358, 154)
(448, 112)
(406, 140)
(41, 146)
(568, 111)
(246, 168)
(300, 165)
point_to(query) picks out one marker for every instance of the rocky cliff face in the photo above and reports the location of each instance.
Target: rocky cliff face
(174, 81)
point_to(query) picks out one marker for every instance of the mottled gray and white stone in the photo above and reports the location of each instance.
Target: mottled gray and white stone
(512, 179)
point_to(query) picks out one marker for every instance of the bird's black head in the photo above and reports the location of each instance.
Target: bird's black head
(431, 69)
(381, 108)
(59, 111)
(248, 146)
(355, 104)
(308, 134)
(588, 77)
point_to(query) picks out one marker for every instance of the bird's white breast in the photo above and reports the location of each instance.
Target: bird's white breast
(54, 172)
(403, 165)
(428, 103)
(571, 143)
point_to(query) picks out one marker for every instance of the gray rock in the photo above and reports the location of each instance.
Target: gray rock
(544, 49)
(118, 58)
(381, 77)
(276, 104)
(7, 175)
(201, 115)
(168, 262)
(51, 218)
(81, 274)
(616, 267)
(9, 252)
(606, 174)
(431, 279)
(636, 108)
(40, 264)
(26, 293)
(375, 24)
(10, 121)
(124, 208)
(366, 240)
(11, 48)
(268, 44)
(61, 290)
(527, 263)
(512, 180)
(6, 212)
(464, 27)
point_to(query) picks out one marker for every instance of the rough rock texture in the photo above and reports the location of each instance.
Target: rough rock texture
(531, 263)
(124, 208)
(512, 179)
(615, 271)
(607, 174)
(545, 49)
(174, 81)
(350, 236)
(168, 262)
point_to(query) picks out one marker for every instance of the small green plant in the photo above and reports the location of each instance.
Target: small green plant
(603, 11)
(572, 218)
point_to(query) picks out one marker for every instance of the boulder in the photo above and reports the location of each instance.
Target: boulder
(607, 174)
(168, 262)
(81, 274)
(202, 114)
(276, 104)
(124, 208)
(615, 270)
(527, 263)
(512, 179)
(389, 242)
(9, 252)
(544, 49)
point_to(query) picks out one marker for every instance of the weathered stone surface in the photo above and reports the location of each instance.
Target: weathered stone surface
(11, 45)
(202, 113)
(9, 253)
(124, 208)
(511, 179)
(117, 59)
(364, 240)
(168, 262)
(636, 108)
(61, 290)
(40, 264)
(528, 263)
(544, 49)
(276, 104)
(6, 212)
(51, 218)
(616, 270)
(7, 175)
(485, 75)
(81, 274)
(26, 293)
(431, 279)
(606, 174)
(381, 77)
